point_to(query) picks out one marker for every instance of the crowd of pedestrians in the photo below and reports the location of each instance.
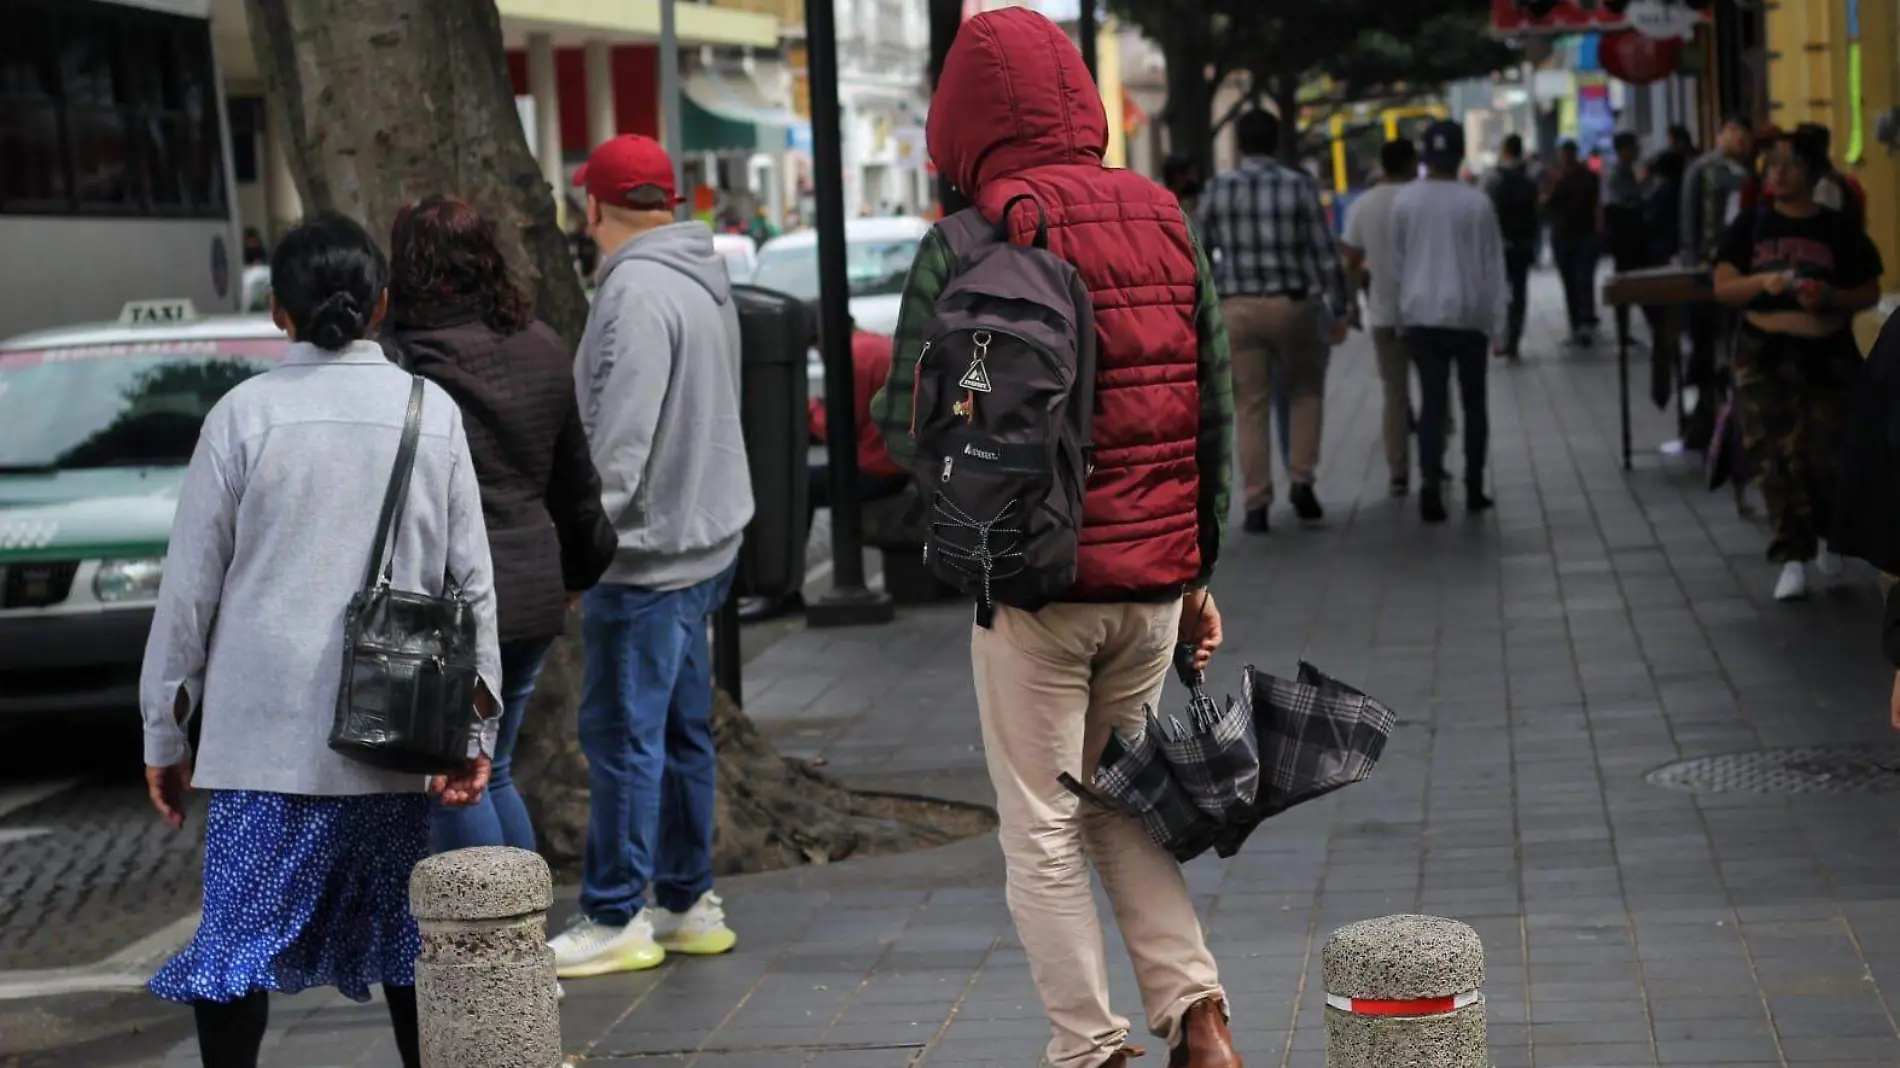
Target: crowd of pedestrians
(614, 479)
(525, 481)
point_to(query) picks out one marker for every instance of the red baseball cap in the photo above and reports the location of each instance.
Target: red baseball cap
(623, 164)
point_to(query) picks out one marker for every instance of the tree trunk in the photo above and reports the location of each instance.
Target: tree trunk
(1286, 100)
(1188, 115)
(390, 100)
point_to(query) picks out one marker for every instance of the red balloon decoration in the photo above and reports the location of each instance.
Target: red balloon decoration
(1631, 57)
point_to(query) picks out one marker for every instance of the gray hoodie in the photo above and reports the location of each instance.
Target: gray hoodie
(658, 383)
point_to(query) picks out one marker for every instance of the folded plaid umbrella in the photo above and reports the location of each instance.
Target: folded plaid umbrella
(1134, 778)
(1213, 752)
(1309, 736)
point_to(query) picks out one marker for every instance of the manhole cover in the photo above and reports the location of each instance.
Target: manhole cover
(1857, 769)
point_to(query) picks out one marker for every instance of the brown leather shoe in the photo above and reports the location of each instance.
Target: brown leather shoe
(1205, 1041)
(1122, 1056)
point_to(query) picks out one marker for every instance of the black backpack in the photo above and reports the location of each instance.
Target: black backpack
(1005, 392)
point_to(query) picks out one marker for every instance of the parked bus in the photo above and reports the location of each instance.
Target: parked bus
(115, 162)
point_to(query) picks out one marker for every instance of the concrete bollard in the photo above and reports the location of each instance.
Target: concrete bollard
(1403, 992)
(485, 990)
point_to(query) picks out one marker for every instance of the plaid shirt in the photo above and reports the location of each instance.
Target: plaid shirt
(1267, 232)
(1214, 455)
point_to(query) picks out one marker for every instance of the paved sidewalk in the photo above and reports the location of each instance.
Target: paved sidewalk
(1544, 660)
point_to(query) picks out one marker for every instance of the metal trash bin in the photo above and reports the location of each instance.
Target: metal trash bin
(775, 334)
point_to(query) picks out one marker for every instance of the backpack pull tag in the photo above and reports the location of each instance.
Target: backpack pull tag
(977, 378)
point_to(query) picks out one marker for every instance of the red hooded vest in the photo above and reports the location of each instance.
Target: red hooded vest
(1016, 112)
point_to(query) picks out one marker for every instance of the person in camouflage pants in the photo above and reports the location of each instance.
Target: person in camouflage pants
(1794, 393)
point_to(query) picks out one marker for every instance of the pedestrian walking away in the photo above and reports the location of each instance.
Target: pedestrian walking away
(1711, 200)
(307, 851)
(657, 379)
(1368, 250)
(1571, 202)
(1448, 253)
(461, 319)
(1017, 116)
(1623, 218)
(1272, 252)
(1514, 196)
(1800, 271)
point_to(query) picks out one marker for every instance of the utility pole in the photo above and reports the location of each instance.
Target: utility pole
(1086, 28)
(849, 602)
(670, 99)
(946, 16)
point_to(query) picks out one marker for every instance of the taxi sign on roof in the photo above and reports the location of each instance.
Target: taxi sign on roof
(179, 310)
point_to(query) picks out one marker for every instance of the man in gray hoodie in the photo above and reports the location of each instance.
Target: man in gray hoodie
(658, 382)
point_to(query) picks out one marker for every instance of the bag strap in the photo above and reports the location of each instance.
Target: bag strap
(381, 557)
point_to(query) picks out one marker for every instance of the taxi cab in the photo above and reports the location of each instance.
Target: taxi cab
(97, 424)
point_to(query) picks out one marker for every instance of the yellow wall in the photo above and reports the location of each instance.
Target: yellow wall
(1108, 78)
(1808, 82)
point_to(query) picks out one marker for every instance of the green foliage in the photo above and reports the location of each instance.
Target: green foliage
(1357, 49)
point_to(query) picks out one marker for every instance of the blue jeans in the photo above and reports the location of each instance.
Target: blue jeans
(646, 728)
(499, 818)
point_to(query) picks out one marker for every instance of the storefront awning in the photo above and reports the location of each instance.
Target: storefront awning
(728, 112)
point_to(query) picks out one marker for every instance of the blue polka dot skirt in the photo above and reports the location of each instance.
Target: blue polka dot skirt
(303, 892)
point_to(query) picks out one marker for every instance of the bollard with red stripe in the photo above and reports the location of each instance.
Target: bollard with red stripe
(1405, 992)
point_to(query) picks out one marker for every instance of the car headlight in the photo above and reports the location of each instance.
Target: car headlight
(128, 580)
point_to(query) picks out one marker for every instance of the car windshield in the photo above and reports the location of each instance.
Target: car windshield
(738, 267)
(122, 405)
(872, 268)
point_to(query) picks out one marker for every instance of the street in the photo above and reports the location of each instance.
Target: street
(1547, 661)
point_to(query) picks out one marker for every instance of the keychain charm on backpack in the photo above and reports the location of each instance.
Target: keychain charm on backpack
(977, 378)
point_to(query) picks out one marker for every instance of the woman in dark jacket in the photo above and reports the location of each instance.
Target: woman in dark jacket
(460, 319)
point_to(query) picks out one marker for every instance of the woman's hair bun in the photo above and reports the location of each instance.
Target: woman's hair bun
(336, 321)
(327, 276)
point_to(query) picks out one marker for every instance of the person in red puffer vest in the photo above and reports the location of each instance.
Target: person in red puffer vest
(1016, 113)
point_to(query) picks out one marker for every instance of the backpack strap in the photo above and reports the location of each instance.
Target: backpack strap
(1041, 240)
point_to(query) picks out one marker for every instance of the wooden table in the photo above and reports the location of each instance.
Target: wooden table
(1653, 287)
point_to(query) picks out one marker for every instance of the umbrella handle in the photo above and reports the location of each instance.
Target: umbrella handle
(1190, 677)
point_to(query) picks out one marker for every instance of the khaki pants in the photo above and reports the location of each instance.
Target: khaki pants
(1263, 331)
(1395, 375)
(1049, 687)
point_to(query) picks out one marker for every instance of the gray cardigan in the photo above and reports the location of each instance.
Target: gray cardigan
(274, 527)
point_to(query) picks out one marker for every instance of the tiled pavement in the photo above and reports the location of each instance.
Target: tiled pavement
(1543, 659)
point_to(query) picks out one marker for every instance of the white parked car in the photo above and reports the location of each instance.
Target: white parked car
(878, 254)
(97, 422)
(739, 253)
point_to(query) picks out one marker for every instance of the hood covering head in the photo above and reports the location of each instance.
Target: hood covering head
(1014, 94)
(686, 247)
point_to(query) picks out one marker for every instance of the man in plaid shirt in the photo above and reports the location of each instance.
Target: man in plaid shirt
(1712, 193)
(1274, 257)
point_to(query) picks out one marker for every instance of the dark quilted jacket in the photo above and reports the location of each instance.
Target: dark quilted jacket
(547, 532)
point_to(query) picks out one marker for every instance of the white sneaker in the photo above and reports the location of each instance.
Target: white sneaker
(699, 931)
(1793, 584)
(588, 948)
(1829, 565)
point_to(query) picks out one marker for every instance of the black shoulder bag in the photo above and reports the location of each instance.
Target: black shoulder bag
(407, 699)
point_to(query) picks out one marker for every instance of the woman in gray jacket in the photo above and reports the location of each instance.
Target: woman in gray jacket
(307, 852)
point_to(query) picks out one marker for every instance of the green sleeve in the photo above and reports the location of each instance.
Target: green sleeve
(891, 407)
(1214, 453)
